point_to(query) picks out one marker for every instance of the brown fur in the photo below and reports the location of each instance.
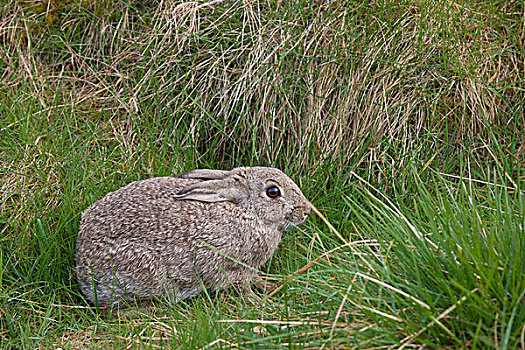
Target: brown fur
(177, 236)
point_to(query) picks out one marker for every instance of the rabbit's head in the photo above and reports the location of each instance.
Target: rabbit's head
(266, 193)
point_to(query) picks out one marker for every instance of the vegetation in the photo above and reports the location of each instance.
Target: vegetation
(402, 121)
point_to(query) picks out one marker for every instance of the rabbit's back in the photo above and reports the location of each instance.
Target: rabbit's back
(139, 211)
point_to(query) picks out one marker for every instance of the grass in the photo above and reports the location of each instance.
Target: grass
(402, 122)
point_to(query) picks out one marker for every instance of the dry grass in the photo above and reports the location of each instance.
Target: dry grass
(309, 90)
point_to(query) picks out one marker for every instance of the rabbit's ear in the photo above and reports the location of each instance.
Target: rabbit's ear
(205, 174)
(212, 191)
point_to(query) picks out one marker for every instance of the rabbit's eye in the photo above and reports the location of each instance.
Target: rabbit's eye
(273, 192)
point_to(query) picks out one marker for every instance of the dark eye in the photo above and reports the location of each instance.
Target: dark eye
(273, 192)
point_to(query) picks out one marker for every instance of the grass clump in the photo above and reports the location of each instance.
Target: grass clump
(456, 252)
(224, 72)
(401, 121)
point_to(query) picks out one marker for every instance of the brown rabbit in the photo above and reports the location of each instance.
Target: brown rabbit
(205, 229)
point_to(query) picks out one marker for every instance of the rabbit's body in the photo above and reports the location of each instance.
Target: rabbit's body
(176, 236)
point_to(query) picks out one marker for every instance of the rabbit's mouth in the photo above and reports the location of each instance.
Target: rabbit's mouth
(288, 224)
(296, 218)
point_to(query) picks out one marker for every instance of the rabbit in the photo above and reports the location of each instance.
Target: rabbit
(177, 236)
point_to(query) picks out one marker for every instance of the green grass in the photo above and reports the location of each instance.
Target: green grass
(401, 121)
